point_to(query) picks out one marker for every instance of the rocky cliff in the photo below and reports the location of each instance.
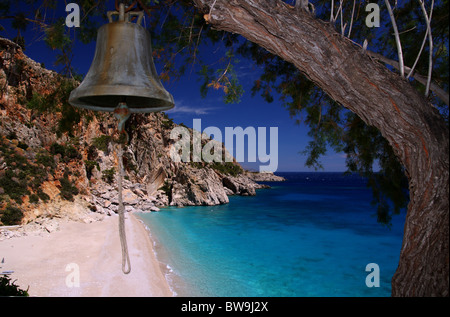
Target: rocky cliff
(51, 153)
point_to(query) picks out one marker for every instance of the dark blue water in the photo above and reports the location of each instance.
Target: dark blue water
(312, 235)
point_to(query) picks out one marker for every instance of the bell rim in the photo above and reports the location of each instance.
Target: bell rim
(132, 110)
(162, 95)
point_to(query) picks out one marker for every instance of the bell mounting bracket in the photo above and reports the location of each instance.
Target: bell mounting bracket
(125, 16)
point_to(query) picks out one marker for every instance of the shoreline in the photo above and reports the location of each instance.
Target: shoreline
(176, 282)
(84, 260)
(166, 269)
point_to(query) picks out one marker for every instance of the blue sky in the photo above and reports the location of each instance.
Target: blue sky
(189, 105)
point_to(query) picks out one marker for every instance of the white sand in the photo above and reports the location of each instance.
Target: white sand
(40, 262)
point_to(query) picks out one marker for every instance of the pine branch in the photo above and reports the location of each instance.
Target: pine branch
(439, 92)
(397, 39)
(430, 38)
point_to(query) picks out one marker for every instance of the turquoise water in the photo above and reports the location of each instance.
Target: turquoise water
(312, 235)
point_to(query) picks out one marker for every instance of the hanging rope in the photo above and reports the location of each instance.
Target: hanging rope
(126, 265)
(122, 113)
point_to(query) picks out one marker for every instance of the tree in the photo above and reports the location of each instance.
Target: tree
(408, 121)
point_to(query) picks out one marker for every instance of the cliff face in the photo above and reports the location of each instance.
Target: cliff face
(51, 153)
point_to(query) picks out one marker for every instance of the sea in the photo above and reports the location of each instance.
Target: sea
(314, 235)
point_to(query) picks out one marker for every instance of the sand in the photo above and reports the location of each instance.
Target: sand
(85, 260)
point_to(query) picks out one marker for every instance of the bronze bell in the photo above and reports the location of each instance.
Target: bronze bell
(122, 70)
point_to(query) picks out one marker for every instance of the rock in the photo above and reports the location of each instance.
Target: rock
(264, 177)
(99, 209)
(106, 195)
(197, 187)
(51, 226)
(230, 184)
(161, 199)
(228, 191)
(241, 185)
(129, 197)
(152, 179)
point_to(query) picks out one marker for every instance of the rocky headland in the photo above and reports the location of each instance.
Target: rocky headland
(60, 162)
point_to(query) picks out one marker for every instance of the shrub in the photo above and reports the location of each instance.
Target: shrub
(34, 198)
(167, 124)
(67, 188)
(46, 160)
(72, 153)
(8, 288)
(22, 145)
(13, 187)
(108, 175)
(41, 103)
(167, 189)
(227, 168)
(67, 152)
(89, 166)
(57, 148)
(11, 216)
(43, 196)
(102, 142)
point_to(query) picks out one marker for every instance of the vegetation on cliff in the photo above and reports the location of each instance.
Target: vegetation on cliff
(50, 150)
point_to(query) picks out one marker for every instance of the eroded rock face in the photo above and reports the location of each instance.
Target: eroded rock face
(198, 187)
(265, 177)
(84, 161)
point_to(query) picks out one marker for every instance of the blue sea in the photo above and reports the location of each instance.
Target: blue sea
(310, 236)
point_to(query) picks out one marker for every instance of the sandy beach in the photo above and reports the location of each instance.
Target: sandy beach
(84, 259)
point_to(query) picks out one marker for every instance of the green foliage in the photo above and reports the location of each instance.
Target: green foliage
(108, 175)
(11, 216)
(225, 79)
(128, 162)
(167, 189)
(14, 187)
(364, 146)
(22, 177)
(167, 124)
(34, 198)
(57, 148)
(45, 159)
(89, 166)
(8, 288)
(20, 40)
(4, 7)
(43, 196)
(102, 142)
(22, 145)
(227, 168)
(68, 190)
(19, 22)
(57, 102)
(178, 29)
(68, 152)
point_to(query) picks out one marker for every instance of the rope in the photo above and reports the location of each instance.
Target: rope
(122, 113)
(121, 211)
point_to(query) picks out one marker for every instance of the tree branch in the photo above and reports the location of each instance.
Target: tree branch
(397, 39)
(351, 20)
(430, 63)
(440, 93)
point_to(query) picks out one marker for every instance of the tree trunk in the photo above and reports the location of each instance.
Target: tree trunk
(413, 127)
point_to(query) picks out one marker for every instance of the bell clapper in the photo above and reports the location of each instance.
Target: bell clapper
(122, 113)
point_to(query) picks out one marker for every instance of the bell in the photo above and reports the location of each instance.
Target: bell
(122, 70)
